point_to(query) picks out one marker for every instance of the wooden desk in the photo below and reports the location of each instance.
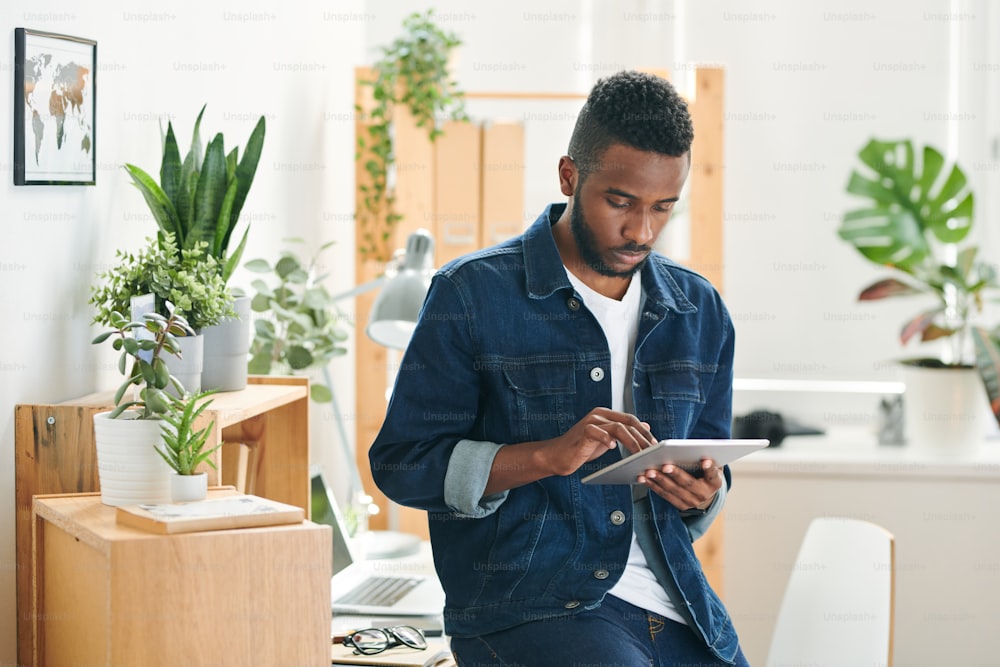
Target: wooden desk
(105, 594)
(54, 453)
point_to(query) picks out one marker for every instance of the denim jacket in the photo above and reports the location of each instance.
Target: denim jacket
(505, 352)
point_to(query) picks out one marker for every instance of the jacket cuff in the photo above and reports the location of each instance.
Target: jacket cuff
(466, 478)
(698, 522)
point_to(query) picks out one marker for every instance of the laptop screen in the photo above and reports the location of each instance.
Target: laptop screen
(324, 511)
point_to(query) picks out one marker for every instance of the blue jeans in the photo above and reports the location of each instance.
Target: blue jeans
(616, 634)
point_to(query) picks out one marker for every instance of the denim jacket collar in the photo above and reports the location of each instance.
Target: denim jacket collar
(546, 275)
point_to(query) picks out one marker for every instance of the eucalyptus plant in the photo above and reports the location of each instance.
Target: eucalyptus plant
(187, 278)
(413, 72)
(915, 220)
(183, 447)
(143, 345)
(302, 328)
(199, 200)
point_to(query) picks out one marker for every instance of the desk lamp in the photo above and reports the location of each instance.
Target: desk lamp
(391, 322)
(394, 313)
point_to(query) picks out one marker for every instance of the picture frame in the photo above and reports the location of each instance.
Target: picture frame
(55, 104)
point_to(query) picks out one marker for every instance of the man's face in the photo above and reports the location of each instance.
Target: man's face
(620, 209)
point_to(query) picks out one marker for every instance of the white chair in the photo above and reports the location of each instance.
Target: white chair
(838, 605)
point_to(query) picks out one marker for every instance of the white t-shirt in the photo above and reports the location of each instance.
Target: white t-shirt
(620, 322)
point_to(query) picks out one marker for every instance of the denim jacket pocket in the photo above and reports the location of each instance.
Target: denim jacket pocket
(680, 381)
(543, 396)
(679, 392)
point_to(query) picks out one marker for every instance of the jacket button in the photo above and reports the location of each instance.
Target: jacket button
(601, 574)
(573, 303)
(617, 517)
(572, 605)
(597, 374)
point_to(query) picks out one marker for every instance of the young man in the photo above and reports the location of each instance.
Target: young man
(545, 358)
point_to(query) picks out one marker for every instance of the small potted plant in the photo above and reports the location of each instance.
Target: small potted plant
(188, 279)
(199, 201)
(914, 221)
(183, 446)
(129, 468)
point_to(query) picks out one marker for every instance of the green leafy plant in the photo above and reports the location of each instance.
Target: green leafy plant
(914, 222)
(412, 71)
(183, 447)
(142, 359)
(303, 328)
(187, 278)
(199, 200)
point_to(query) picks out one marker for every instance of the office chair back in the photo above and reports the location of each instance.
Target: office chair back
(838, 603)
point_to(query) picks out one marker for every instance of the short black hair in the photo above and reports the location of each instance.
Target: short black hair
(635, 109)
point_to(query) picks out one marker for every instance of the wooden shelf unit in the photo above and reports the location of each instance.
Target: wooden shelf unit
(264, 429)
(106, 594)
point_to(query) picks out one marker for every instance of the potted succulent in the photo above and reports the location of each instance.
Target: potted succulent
(186, 278)
(183, 446)
(129, 469)
(199, 201)
(915, 221)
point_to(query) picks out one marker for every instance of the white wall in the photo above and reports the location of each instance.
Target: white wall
(808, 85)
(293, 64)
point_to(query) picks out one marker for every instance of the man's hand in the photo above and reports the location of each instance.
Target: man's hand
(681, 489)
(600, 430)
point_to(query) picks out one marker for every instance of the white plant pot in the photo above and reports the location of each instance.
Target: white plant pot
(227, 349)
(129, 469)
(188, 488)
(188, 367)
(945, 410)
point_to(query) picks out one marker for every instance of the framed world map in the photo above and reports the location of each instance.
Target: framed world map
(54, 109)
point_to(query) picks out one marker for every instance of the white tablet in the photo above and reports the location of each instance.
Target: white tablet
(685, 454)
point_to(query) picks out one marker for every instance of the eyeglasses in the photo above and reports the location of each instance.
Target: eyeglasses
(376, 640)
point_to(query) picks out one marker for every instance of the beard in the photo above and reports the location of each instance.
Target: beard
(589, 251)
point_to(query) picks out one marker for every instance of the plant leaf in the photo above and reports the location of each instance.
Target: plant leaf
(887, 288)
(156, 199)
(245, 172)
(209, 195)
(917, 325)
(171, 179)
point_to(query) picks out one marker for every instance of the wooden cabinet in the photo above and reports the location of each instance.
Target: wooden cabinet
(265, 428)
(106, 594)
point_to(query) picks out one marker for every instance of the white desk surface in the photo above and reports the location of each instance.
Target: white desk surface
(856, 452)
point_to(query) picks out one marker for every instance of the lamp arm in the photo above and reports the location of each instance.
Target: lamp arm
(361, 289)
(338, 419)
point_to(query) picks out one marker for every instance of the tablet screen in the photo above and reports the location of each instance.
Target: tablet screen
(686, 454)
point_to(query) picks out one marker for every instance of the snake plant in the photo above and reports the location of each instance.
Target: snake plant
(199, 200)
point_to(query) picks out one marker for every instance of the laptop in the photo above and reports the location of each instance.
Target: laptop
(378, 587)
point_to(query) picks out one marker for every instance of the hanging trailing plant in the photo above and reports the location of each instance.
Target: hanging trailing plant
(413, 71)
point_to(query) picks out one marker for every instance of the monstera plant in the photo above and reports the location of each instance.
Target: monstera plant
(917, 213)
(199, 200)
(914, 220)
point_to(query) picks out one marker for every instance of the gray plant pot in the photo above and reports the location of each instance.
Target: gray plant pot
(227, 349)
(190, 366)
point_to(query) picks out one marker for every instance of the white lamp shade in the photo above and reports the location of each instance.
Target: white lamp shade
(397, 306)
